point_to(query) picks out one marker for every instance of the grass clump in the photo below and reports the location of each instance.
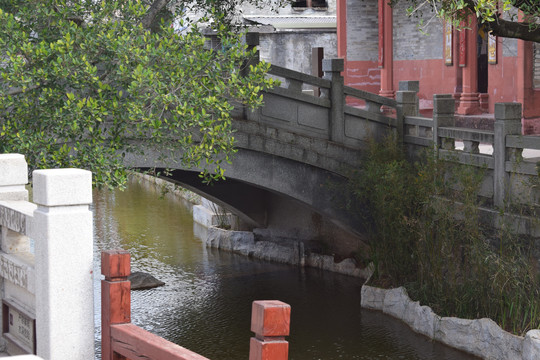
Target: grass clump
(426, 234)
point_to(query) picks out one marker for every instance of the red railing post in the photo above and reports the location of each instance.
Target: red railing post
(270, 320)
(115, 297)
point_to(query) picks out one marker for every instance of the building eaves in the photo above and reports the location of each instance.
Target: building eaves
(283, 22)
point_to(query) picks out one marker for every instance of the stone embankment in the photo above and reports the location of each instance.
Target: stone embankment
(480, 337)
(288, 252)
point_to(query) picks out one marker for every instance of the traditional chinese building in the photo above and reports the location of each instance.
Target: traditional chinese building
(382, 45)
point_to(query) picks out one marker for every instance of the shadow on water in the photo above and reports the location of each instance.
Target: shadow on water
(206, 304)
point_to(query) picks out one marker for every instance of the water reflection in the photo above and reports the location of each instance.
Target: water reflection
(206, 303)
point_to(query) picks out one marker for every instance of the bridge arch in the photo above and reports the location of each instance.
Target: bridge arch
(286, 198)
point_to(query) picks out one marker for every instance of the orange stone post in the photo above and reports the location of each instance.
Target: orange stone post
(270, 321)
(115, 297)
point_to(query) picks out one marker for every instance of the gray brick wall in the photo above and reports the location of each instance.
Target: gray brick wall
(412, 44)
(362, 30)
(409, 42)
(536, 65)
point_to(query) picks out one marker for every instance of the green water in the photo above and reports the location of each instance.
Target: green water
(206, 303)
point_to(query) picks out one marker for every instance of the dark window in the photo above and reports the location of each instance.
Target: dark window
(303, 4)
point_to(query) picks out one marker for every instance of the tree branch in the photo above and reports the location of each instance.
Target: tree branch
(152, 12)
(18, 91)
(516, 30)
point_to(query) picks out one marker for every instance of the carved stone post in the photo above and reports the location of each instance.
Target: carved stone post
(411, 85)
(507, 122)
(62, 230)
(443, 116)
(406, 106)
(332, 69)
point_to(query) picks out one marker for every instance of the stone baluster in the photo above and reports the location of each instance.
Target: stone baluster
(443, 116)
(62, 230)
(507, 122)
(270, 321)
(471, 147)
(332, 69)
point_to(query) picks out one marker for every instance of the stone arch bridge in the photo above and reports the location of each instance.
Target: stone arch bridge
(289, 177)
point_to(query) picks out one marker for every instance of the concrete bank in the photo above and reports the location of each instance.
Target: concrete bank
(480, 337)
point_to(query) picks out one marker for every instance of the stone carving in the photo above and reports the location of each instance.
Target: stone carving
(13, 220)
(14, 272)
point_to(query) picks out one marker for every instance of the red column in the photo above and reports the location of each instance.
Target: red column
(270, 321)
(386, 49)
(469, 102)
(341, 19)
(115, 297)
(524, 78)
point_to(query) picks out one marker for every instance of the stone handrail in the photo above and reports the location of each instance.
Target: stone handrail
(292, 75)
(121, 339)
(317, 107)
(46, 261)
(505, 165)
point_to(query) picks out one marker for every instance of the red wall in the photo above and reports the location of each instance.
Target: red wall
(434, 77)
(364, 75)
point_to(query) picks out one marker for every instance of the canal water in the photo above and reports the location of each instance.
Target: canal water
(205, 305)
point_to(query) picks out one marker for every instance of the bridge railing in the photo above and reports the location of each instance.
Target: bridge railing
(46, 261)
(295, 107)
(121, 339)
(325, 108)
(509, 176)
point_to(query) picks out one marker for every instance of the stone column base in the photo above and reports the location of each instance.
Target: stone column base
(388, 93)
(469, 104)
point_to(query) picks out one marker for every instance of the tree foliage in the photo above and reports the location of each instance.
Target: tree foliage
(83, 81)
(501, 17)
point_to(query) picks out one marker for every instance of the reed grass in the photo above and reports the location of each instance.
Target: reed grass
(426, 235)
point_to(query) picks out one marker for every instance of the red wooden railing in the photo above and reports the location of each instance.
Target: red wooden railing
(121, 340)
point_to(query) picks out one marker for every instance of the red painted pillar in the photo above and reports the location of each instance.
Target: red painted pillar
(115, 297)
(469, 102)
(386, 49)
(270, 321)
(341, 19)
(524, 78)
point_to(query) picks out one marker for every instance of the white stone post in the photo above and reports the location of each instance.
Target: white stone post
(13, 177)
(62, 230)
